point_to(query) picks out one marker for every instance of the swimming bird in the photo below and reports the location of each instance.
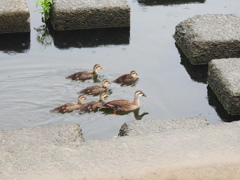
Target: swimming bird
(83, 75)
(93, 105)
(69, 107)
(96, 89)
(127, 78)
(124, 105)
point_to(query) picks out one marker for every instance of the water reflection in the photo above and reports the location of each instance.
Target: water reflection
(197, 73)
(90, 37)
(214, 102)
(135, 112)
(132, 84)
(43, 36)
(15, 43)
(168, 2)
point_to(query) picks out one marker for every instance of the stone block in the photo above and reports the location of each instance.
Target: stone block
(133, 128)
(89, 14)
(14, 16)
(168, 2)
(26, 138)
(224, 80)
(206, 37)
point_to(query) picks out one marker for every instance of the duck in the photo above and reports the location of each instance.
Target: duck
(93, 105)
(127, 78)
(124, 105)
(83, 75)
(96, 89)
(69, 107)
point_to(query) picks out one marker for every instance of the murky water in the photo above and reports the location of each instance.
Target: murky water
(33, 68)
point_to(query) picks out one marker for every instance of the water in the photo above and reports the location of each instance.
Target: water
(33, 68)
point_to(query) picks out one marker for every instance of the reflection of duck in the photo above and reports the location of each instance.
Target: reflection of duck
(83, 75)
(135, 112)
(127, 78)
(96, 89)
(93, 105)
(124, 105)
(69, 107)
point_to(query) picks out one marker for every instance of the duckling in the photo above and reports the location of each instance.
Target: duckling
(93, 105)
(127, 78)
(124, 105)
(83, 75)
(69, 107)
(96, 89)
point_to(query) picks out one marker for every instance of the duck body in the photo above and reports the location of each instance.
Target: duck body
(124, 105)
(83, 75)
(93, 105)
(96, 89)
(69, 107)
(127, 78)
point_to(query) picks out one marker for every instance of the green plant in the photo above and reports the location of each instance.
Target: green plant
(45, 7)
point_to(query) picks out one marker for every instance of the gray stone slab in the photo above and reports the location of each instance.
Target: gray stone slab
(205, 153)
(89, 14)
(224, 79)
(133, 128)
(206, 37)
(25, 138)
(14, 16)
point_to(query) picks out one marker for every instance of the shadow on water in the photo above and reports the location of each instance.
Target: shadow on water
(90, 37)
(135, 112)
(132, 84)
(15, 43)
(168, 2)
(197, 73)
(214, 102)
(82, 38)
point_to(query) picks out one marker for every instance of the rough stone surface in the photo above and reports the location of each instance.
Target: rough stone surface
(205, 153)
(89, 14)
(224, 80)
(206, 37)
(133, 128)
(26, 138)
(168, 2)
(14, 16)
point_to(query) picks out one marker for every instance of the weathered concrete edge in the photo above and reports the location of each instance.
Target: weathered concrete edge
(192, 60)
(206, 153)
(22, 25)
(25, 138)
(221, 89)
(133, 128)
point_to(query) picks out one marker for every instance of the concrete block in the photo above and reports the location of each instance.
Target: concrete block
(168, 2)
(89, 14)
(26, 138)
(206, 37)
(14, 16)
(133, 128)
(224, 80)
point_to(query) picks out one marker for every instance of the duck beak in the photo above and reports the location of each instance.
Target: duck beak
(145, 95)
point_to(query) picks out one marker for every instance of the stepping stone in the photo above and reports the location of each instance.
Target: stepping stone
(168, 2)
(206, 37)
(224, 80)
(26, 138)
(89, 14)
(14, 16)
(133, 128)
